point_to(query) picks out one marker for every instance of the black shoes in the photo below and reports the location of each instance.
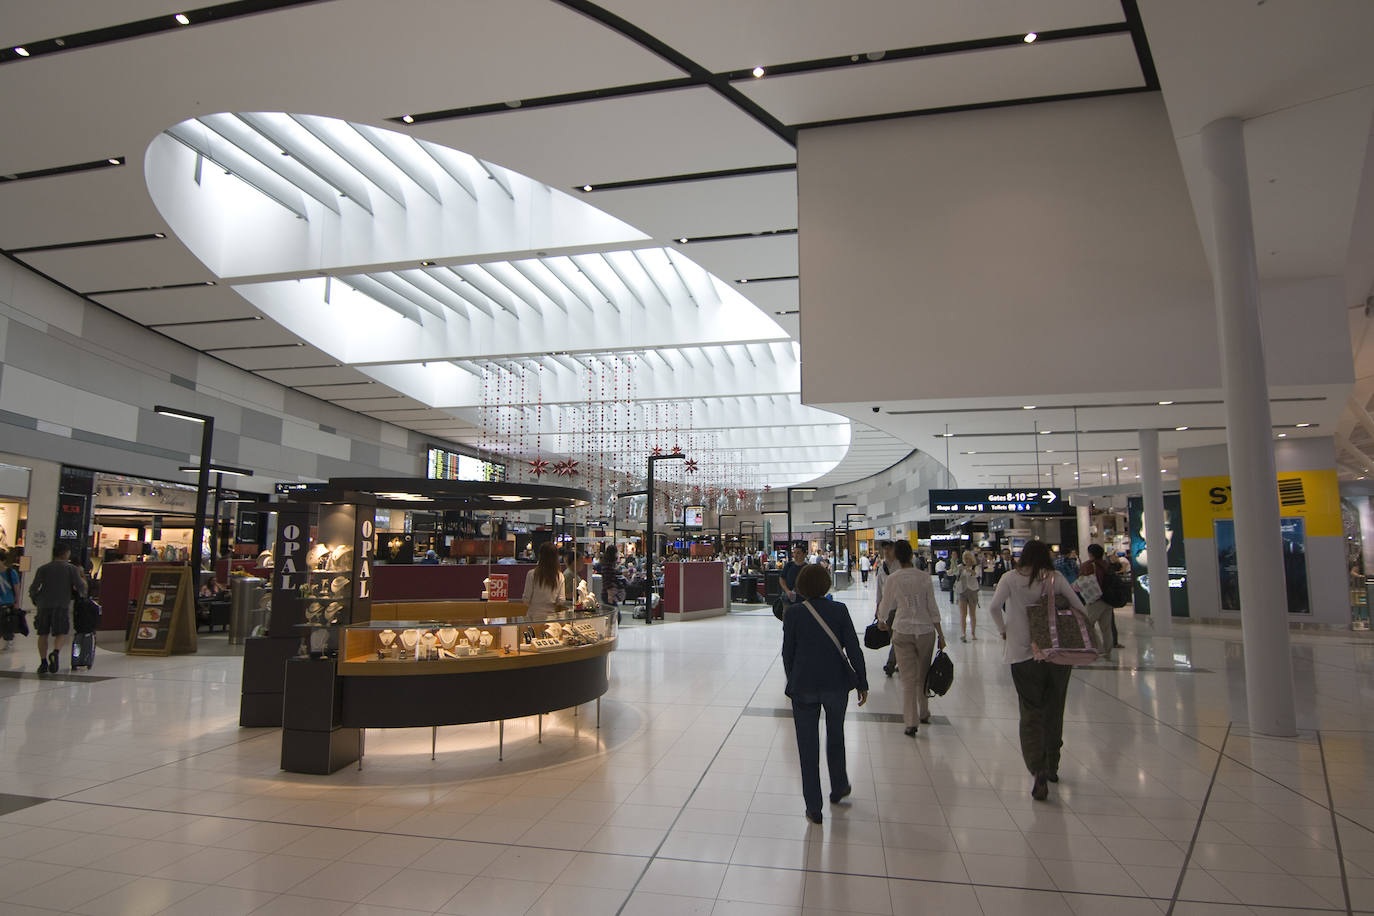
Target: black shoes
(837, 797)
(814, 817)
(1041, 790)
(889, 670)
(925, 720)
(910, 732)
(52, 662)
(43, 666)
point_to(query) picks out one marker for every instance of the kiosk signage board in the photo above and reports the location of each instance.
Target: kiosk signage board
(498, 587)
(1045, 501)
(165, 615)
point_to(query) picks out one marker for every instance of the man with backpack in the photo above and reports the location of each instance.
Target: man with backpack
(53, 587)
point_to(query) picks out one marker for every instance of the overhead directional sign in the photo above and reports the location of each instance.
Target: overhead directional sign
(1045, 501)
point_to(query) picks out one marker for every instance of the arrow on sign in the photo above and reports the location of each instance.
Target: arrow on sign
(1050, 497)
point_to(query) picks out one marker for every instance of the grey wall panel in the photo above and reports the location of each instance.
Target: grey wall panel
(259, 425)
(365, 453)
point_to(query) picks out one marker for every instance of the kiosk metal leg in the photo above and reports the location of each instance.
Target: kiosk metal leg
(541, 727)
(362, 745)
(433, 740)
(598, 712)
(501, 741)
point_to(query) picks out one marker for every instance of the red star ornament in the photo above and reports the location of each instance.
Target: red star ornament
(691, 465)
(539, 467)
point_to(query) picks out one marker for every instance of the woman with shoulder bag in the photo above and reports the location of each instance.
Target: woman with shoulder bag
(970, 581)
(910, 610)
(1041, 686)
(823, 661)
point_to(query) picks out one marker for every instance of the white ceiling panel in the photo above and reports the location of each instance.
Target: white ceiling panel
(774, 296)
(131, 265)
(100, 204)
(230, 334)
(740, 34)
(761, 256)
(22, 21)
(721, 206)
(994, 75)
(196, 303)
(328, 375)
(275, 357)
(642, 136)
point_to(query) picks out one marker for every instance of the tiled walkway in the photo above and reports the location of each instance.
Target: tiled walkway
(687, 801)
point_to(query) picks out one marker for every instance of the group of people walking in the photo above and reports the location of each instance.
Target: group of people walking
(824, 662)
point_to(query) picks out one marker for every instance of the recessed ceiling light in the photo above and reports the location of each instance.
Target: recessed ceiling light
(1030, 37)
(586, 187)
(1303, 425)
(946, 435)
(1119, 460)
(426, 263)
(182, 19)
(970, 453)
(22, 52)
(112, 161)
(1137, 477)
(742, 280)
(1165, 403)
(159, 235)
(758, 72)
(409, 119)
(1028, 407)
(1179, 429)
(1283, 435)
(1046, 432)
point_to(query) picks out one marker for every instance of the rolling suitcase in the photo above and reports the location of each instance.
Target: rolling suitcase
(83, 650)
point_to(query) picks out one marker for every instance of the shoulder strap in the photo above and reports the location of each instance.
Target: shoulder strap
(831, 633)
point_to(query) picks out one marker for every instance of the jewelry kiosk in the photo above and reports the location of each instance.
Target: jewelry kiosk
(408, 664)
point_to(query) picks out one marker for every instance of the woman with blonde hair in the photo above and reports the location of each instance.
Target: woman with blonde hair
(966, 587)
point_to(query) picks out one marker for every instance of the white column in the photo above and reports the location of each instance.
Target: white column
(1365, 509)
(1156, 546)
(1085, 530)
(1249, 434)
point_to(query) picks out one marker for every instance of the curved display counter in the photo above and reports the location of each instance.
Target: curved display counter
(447, 666)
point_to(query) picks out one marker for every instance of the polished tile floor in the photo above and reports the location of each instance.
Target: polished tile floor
(139, 793)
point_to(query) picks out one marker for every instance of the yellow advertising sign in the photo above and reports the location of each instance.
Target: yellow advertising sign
(1311, 495)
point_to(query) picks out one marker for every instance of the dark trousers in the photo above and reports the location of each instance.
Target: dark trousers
(1041, 689)
(864, 574)
(806, 714)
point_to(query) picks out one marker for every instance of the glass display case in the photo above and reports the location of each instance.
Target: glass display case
(434, 646)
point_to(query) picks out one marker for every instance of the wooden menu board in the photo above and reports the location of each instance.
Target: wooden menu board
(165, 618)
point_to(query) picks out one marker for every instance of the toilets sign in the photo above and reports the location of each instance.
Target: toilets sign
(1044, 501)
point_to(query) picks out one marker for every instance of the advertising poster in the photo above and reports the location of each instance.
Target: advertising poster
(1176, 560)
(1294, 564)
(694, 516)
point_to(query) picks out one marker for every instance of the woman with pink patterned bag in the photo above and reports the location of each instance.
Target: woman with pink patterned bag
(1041, 685)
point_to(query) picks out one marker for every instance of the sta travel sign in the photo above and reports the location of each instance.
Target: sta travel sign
(1046, 500)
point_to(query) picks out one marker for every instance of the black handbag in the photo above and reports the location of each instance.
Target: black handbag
(940, 675)
(875, 637)
(779, 607)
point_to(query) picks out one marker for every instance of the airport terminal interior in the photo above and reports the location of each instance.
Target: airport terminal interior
(444, 408)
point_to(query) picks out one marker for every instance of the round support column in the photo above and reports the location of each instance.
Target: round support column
(1249, 433)
(1156, 545)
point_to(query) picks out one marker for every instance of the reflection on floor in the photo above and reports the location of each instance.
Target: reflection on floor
(687, 800)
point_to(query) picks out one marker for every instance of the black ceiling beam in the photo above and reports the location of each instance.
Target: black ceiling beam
(147, 289)
(112, 162)
(735, 236)
(689, 176)
(547, 101)
(90, 243)
(919, 51)
(218, 12)
(1142, 44)
(975, 106)
(699, 74)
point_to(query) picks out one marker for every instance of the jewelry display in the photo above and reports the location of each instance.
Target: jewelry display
(448, 637)
(555, 630)
(429, 645)
(485, 640)
(473, 635)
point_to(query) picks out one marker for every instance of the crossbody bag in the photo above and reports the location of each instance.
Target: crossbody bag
(853, 675)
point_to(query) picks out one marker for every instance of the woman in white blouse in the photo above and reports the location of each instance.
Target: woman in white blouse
(1041, 687)
(544, 584)
(908, 608)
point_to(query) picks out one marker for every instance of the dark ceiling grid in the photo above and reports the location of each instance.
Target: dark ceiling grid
(686, 177)
(109, 163)
(164, 23)
(90, 243)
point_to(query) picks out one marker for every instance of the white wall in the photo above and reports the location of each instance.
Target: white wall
(1326, 570)
(1057, 241)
